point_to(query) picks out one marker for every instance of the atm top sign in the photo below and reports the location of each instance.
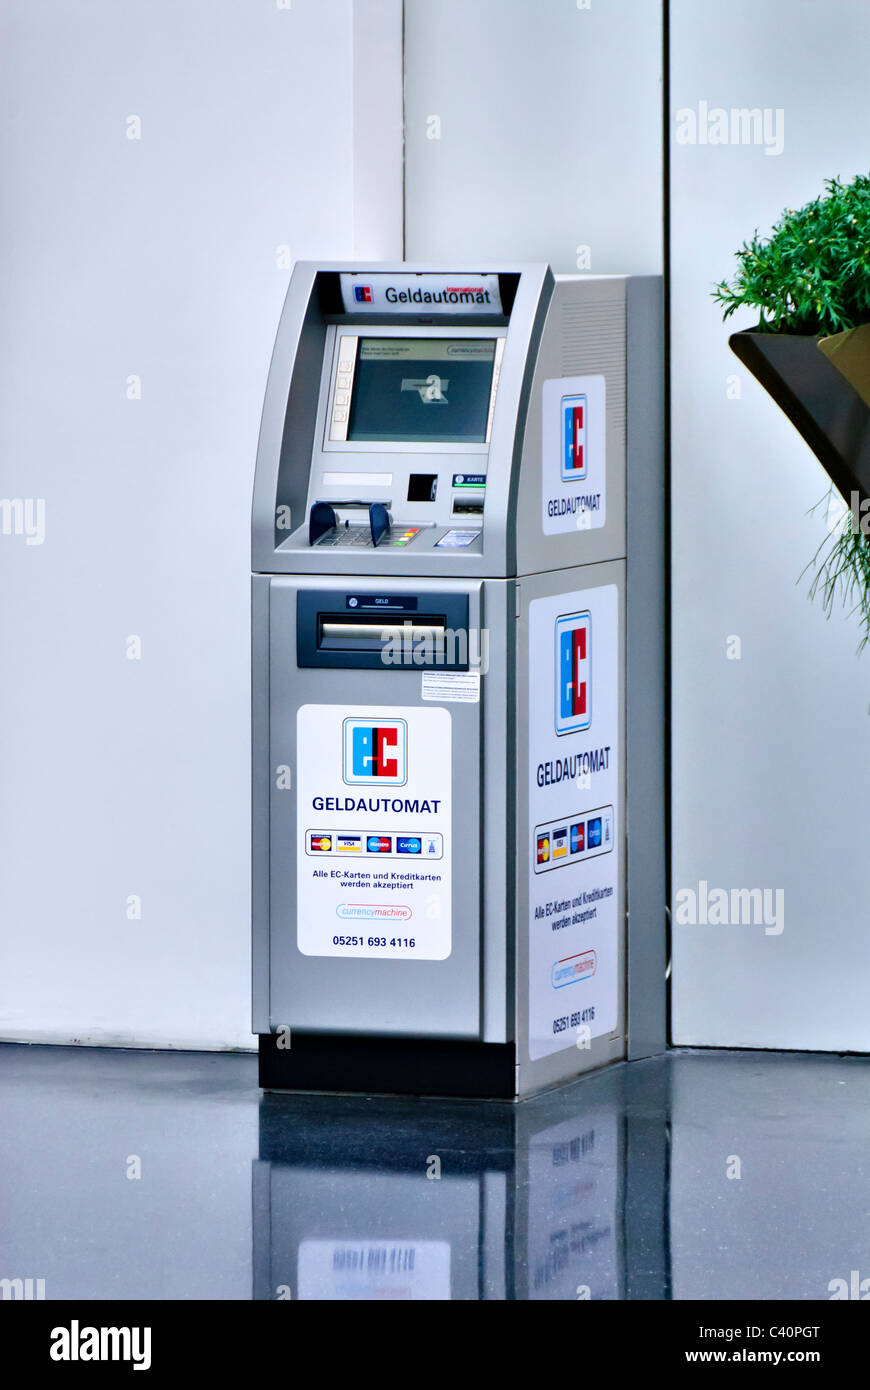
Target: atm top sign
(429, 294)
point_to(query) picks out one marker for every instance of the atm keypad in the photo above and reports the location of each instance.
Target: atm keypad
(361, 537)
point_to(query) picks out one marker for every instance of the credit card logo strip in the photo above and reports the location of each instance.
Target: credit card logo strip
(573, 644)
(366, 844)
(375, 752)
(575, 411)
(572, 839)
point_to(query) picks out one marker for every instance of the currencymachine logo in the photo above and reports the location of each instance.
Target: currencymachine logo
(574, 411)
(375, 752)
(362, 294)
(573, 673)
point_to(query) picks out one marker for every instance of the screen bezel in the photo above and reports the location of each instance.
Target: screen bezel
(346, 347)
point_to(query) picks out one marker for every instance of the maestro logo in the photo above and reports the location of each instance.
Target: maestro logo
(574, 412)
(573, 673)
(362, 294)
(376, 752)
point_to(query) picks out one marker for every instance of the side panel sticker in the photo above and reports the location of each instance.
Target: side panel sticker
(573, 864)
(573, 455)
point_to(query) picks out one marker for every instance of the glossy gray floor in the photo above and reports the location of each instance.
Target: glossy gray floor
(698, 1175)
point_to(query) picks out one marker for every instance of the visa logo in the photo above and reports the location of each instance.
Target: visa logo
(375, 752)
(573, 676)
(574, 411)
(560, 842)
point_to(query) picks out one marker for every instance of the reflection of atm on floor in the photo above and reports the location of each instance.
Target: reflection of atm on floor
(561, 1198)
(457, 680)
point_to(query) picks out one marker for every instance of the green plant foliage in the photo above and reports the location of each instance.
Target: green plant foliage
(841, 568)
(812, 274)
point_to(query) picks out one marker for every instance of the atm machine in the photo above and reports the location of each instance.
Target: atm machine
(458, 681)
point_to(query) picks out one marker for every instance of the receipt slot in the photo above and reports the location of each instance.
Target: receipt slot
(458, 681)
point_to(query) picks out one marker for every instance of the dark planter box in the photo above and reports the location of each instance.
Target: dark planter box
(823, 407)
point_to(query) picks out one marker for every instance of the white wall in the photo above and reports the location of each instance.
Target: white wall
(770, 751)
(158, 258)
(534, 132)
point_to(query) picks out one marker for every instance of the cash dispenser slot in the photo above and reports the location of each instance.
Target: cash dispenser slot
(402, 633)
(369, 633)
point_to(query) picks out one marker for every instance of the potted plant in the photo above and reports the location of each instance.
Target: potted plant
(810, 281)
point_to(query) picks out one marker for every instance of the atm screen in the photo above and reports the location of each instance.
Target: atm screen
(422, 390)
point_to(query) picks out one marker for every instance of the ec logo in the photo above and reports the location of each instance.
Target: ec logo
(362, 294)
(573, 673)
(574, 409)
(375, 752)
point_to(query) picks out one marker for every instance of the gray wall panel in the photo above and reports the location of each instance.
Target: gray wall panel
(769, 750)
(550, 132)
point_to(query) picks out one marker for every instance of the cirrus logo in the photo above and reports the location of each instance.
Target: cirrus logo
(375, 752)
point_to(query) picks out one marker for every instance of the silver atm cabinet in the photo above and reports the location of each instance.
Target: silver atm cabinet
(458, 631)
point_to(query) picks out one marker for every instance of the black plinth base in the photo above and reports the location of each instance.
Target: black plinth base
(391, 1066)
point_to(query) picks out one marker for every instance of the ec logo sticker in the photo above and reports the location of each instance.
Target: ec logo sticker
(375, 752)
(573, 454)
(573, 438)
(573, 673)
